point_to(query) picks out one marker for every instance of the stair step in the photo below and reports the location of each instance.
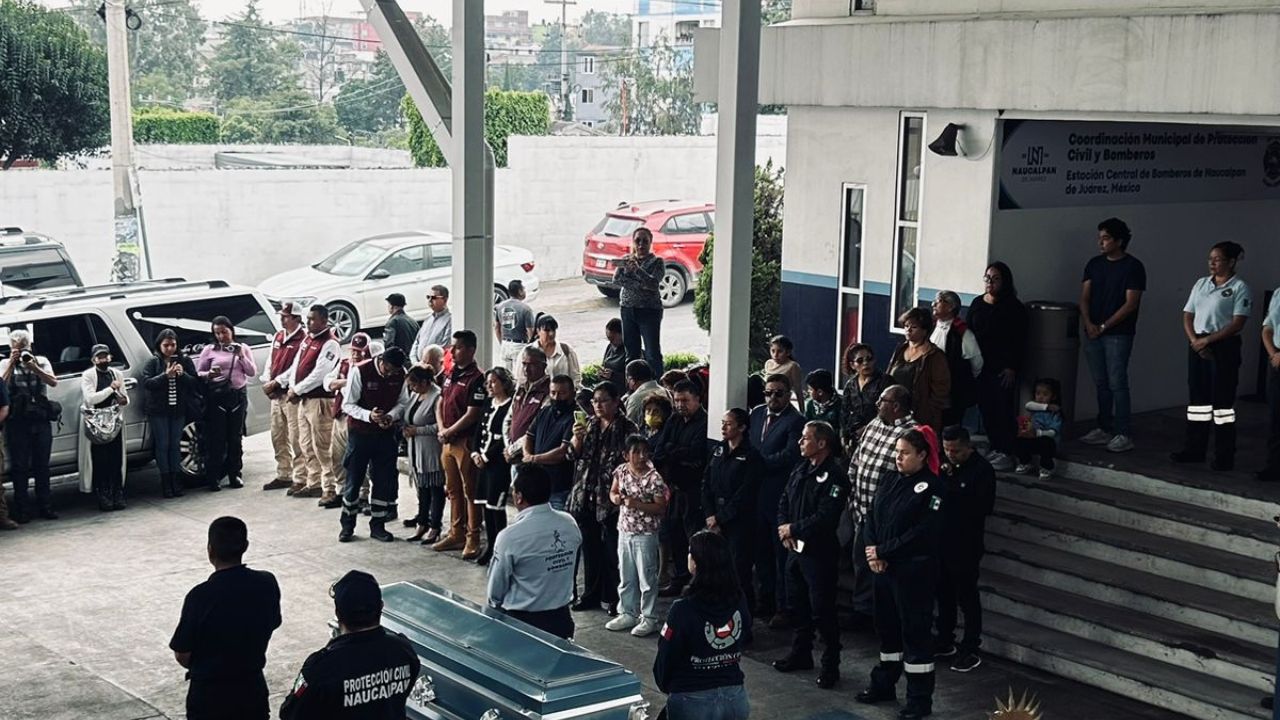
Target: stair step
(1256, 500)
(1159, 595)
(1158, 515)
(1189, 562)
(1156, 683)
(1186, 646)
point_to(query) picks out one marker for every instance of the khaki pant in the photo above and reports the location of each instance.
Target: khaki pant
(284, 439)
(338, 452)
(315, 435)
(460, 485)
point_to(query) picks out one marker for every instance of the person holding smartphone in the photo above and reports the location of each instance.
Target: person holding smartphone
(226, 367)
(169, 379)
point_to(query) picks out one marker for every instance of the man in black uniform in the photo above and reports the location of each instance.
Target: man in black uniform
(226, 624)
(365, 673)
(808, 515)
(970, 484)
(680, 453)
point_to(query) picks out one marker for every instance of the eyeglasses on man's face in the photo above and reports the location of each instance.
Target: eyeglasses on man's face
(776, 393)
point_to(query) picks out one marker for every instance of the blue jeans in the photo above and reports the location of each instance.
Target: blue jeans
(1108, 358)
(643, 325)
(558, 500)
(167, 432)
(722, 703)
(638, 574)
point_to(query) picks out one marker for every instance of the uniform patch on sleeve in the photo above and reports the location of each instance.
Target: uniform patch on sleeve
(667, 632)
(835, 491)
(299, 686)
(821, 478)
(935, 503)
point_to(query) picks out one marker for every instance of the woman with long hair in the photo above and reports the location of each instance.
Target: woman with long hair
(700, 648)
(901, 534)
(171, 384)
(425, 470)
(491, 459)
(999, 322)
(226, 367)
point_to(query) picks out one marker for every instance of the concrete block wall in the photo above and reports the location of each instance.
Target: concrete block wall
(246, 225)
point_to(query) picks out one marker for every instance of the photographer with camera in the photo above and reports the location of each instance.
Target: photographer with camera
(27, 377)
(226, 367)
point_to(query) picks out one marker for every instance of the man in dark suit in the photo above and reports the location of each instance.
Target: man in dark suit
(776, 427)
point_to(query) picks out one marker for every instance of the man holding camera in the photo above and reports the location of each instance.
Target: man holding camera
(27, 377)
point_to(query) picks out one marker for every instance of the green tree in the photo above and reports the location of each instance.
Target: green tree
(656, 88)
(438, 41)
(766, 265)
(289, 116)
(775, 11)
(371, 105)
(505, 114)
(163, 52)
(53, 85)
(252, 61)
(603, 28)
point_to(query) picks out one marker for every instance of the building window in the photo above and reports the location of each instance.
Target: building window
(589, 123)
(906, 242)
(587, 97)
(853, 202)
(588, 65)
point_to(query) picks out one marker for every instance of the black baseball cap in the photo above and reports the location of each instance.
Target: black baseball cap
(99, 349)
(357, 593)
(396, 299)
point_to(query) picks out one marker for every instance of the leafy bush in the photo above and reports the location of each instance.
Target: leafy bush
(673, 361)
(162, 125)
(766, 266)
(505, 114)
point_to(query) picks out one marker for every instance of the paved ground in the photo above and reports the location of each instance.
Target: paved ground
(88, 603)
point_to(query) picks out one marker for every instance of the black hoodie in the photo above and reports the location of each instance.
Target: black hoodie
(700, 647)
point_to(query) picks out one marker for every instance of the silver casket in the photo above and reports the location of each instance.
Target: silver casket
(480, 664)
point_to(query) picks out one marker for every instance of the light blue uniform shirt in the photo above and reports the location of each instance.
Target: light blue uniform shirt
(1214, 306)
(533, 561)
(1272, 320)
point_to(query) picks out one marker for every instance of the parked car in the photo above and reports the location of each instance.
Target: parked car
(30, 261)
(680, 229)
(65, 324)
(355, 281)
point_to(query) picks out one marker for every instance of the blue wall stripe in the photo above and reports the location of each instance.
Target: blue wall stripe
(811, 279)
(875, 287)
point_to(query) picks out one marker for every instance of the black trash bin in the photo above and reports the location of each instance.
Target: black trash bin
(1053, 350)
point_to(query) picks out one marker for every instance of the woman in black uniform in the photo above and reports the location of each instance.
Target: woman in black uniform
(1212, 319)
(901, 533)
(729, 489)
(491, 459)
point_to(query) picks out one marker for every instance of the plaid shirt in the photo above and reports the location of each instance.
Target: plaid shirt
(876, 458)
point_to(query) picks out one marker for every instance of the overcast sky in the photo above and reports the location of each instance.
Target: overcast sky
(442, 10)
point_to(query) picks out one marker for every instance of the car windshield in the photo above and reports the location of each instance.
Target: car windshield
(353, 259)
(35, 270)
(614, 226)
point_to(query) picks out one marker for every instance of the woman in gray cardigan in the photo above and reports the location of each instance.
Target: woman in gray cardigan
(424, 453)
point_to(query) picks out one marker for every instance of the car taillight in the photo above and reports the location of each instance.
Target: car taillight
(527, 267)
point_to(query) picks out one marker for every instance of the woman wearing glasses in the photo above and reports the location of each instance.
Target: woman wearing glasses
(861, 391)
(999, 321)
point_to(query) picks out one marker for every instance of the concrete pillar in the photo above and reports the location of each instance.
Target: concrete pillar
(739, 79)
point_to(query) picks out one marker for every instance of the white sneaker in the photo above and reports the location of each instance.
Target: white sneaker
(1045, 473)
(622, 622)
(1000, 461)
(645, 628)
(1119, 444)
(1024, 468)
(1097, 436)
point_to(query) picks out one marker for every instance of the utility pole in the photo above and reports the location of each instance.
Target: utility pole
(126, 266)
(566, 109)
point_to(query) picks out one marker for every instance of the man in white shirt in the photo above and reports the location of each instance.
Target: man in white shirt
(964, 357)
(318, 355)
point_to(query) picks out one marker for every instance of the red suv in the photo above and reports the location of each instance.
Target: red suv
(680, 229)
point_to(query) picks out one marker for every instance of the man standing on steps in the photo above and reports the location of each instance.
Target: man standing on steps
(1110, 296)
(400, 330)
(639, 275)
(284, 414)
(437, 328)
(318, 355)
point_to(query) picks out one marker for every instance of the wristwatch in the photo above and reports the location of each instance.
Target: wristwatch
(1102, 327)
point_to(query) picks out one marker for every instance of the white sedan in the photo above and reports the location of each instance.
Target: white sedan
(355, 281)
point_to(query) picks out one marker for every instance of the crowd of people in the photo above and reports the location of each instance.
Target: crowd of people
(620, 481)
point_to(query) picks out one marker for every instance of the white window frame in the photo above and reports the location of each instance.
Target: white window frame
(899, 224)
(586, 96)
(588, 65)
(843, 290)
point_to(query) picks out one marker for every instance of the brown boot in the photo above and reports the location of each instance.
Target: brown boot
(295, 488)
(471, 550)
(449, 542)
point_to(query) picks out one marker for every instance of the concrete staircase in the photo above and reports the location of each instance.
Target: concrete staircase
(1151, 589)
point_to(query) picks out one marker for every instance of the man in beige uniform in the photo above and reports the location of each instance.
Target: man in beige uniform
(284, 414)
(317, 356)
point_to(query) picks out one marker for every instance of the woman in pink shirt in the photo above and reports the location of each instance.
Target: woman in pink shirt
(225, 366)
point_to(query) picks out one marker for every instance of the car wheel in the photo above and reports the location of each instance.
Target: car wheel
(672, 287)
(191, 449)
(343, 319)
(499, 294)
(609, 292)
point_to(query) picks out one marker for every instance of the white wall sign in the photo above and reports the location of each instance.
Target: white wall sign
(1064, 164)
